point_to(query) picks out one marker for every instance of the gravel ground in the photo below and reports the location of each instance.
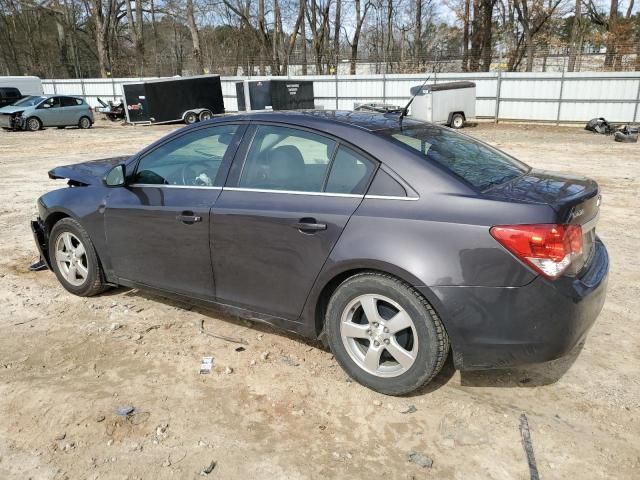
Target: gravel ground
(282, 408)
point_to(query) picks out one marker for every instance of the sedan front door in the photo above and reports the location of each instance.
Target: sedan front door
(289, 196)
(157, 227)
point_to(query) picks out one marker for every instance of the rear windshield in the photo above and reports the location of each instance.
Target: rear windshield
(478, 164)
(29, 101)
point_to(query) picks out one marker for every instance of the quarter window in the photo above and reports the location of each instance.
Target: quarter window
(192, 159)
(350, 172)
(283, 158)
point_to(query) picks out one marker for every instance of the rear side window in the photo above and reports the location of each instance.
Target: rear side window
(71, 102)
(385, 185)
(282, 158)
(478, 164)
(350, 172)
(10, 93)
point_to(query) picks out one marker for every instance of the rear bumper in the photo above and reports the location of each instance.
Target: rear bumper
(541, 321)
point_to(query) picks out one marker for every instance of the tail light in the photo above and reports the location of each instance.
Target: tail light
(547, 248)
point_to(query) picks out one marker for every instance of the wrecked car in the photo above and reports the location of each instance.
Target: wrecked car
(392, 240)
(33, 113)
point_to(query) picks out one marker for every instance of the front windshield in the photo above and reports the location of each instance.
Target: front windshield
(478, 164)
(28, 101)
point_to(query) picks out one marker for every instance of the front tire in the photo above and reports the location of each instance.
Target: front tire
(384, 334)
(33, 124)
(190, 118)
(74, 259)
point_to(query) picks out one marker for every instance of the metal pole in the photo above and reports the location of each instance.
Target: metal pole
(561, 91)
(55, 89)
(496, 115)
(635, 110)
(113, 89)
(384, 88)
(84, 95)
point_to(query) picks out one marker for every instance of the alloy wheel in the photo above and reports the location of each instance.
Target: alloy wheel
(71, 258)
(379, 335)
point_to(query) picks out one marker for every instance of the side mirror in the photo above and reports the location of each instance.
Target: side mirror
(115, 177)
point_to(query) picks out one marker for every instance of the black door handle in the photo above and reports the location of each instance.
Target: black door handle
(308, 225)
(188, 218)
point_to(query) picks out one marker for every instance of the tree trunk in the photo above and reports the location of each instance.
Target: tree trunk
(195, 37)
(417, 38)
(487, 15)
(360, 17)
(531, 48)
(336, 33)
(465, 37)
(154, 29)
(476, 39)
(576, 37)
(303, 34)
(612, 27)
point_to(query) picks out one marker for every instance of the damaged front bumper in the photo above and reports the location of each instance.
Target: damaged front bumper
(12, 121)
(41, 238)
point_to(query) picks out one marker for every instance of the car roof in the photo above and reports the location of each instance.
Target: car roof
(370, 121)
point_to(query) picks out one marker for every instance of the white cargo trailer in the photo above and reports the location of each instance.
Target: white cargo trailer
(451, 103)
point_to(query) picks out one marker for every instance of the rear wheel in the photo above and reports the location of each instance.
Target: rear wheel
(61, 128)
(190, 118)
(205, 115)
(74, 259)
(457, 121)
(84, 123)
(33, 124)
(384, 334)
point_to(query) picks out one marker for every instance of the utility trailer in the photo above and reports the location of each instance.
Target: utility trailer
(168, 100)
(451, 103)
(275, 94)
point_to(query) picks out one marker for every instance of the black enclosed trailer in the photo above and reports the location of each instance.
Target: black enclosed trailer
(167, 100)
(275, 94)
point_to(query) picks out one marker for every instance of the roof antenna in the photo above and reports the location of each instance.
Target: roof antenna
(405, 110)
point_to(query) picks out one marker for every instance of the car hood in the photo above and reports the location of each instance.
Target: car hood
(88, 173)
(12, 109)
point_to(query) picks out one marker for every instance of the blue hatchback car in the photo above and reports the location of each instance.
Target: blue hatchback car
(35, 112)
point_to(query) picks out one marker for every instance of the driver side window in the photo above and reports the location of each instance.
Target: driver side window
(192, 159)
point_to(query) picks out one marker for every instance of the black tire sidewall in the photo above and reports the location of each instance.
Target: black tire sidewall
(426, 364)
(207, 113)
(453, 121)
(190, 115)
(94, 277)
(80, 123)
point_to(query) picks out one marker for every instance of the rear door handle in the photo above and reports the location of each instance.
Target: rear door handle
(308, 225)
(188, 218)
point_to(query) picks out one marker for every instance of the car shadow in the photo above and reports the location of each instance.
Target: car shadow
(537, 375)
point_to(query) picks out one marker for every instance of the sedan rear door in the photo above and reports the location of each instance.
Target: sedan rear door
(289, 196)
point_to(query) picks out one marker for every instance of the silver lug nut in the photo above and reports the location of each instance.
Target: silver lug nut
(375, 324)
(386, 330)
(376, 343)
(386, 341)
(369, 332)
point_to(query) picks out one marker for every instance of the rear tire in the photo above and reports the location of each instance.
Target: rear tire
(385, 334)
(190, 118)
(33, 124)
(84, 123)
(61, 128)
(457, 121)
(74, 259)
(205, 115)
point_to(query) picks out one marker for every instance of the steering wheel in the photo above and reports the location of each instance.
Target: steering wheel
(193, 180)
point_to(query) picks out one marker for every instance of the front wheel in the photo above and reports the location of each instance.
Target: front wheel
(74, 259)
(384, 334)
(33, 124)
(190, 118)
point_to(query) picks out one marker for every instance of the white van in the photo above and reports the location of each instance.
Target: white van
(26, 85)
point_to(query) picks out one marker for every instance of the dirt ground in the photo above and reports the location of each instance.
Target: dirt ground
(282, 408)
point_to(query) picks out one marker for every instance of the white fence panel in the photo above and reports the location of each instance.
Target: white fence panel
(550, 96)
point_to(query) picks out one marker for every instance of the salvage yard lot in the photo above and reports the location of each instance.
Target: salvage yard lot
(282, 408)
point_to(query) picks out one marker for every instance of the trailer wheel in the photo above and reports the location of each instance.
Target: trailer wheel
(457, 121)
(190, 118)
(205, 115)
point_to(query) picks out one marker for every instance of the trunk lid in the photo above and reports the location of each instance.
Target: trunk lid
(575, 199)
(87, 173)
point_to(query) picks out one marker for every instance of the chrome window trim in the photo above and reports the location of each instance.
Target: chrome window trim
(390, 197)
(292, 192)
(164, 185)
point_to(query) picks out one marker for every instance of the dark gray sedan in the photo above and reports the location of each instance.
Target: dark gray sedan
(395, 241)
